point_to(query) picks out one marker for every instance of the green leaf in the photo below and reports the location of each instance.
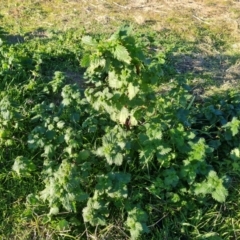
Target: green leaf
(118, 159)
(212, 185)
(54, 211)
(84, 155)
(136, 230)
(235, 154)
(88, 40)
(136, 222)
(85, 61)
(123, 116)
(220, 193)
(96, 62)
(66, 101)
(233, 125)
(146, 155)
(171, 177)
(50, 134)
(133, 121)
(60, 124)
(23, 166)
(202, 188)
(132, 91)
(95, 212)
(121, 54)
(48, 151)
(62, 225)
(113, 80)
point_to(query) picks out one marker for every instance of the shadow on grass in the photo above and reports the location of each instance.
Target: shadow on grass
(184, 60)
(219, 68)
(9, 38)
(14, 39)
(190, 61)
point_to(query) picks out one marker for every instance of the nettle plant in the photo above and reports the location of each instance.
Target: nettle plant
(122, 77)
(125, 148)
(152, 144)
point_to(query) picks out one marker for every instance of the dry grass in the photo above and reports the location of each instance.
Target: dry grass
(207, 23)
(182, 16)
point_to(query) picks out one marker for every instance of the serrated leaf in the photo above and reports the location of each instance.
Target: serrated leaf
(202, 188)
(121, 54)
(50, 191)
(132, 91)
(68, 202)
(220, 194)
(163, 150)
(95, 212)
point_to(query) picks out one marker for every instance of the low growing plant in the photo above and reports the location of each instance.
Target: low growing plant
(124, 149)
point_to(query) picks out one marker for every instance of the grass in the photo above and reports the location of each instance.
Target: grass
(201, 42)
(212, 26)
